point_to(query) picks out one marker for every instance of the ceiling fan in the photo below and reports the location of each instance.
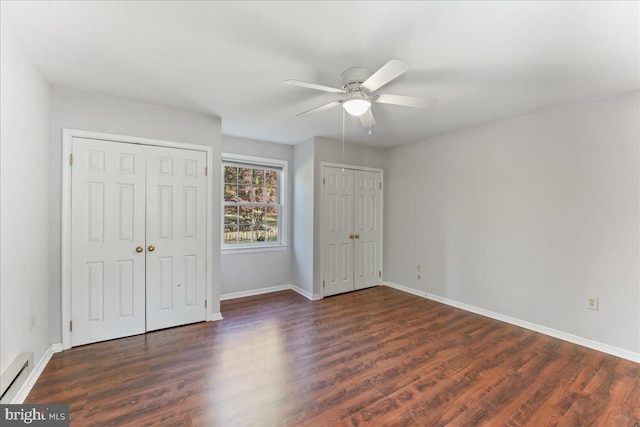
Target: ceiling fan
(359, 85)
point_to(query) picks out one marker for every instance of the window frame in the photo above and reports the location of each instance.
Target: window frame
(252, 162)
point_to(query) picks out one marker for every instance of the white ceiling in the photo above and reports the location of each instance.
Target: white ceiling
(483, 61)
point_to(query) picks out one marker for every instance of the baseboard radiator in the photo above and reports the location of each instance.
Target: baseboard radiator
(13, 378)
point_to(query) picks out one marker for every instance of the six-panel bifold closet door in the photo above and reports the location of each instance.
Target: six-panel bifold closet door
(138, 240)
(351, 229)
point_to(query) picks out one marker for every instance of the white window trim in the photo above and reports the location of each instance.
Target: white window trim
(284, 202)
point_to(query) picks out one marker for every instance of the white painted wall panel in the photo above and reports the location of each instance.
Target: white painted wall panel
(24, 203)
(526, 217)
(267, 269)
(304, 216)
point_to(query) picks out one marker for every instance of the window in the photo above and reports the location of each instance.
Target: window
(253, 202)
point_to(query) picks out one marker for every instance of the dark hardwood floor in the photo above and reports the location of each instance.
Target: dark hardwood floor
(374, 357)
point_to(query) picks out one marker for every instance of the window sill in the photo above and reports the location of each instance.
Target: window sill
(253, 249)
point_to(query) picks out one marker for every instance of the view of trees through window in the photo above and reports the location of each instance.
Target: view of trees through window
(251, 204)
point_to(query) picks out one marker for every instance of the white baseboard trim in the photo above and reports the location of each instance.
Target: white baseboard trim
(215, 316)
(308, 295)
(585, 342)
(24, 391)
(242, 294)
(405, 289)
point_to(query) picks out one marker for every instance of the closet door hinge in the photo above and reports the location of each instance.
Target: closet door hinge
(70, 325)
(381, 185)
(322, 181)
(205, 303)
(71, 160)
(206, 170)
(323, 283)
(379, 273)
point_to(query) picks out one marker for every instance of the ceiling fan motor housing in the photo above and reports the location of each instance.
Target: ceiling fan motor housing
(360, 86)
(353, 78)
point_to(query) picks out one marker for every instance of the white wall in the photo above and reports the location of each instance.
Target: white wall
(330, 150)
(302, 237)
(99, 113)
(24, 203)
(300, 266)
(526, 218)
(241, 272)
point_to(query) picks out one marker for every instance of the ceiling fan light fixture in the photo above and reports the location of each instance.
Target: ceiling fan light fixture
(356, 107)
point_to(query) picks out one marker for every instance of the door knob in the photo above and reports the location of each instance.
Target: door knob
(351, 236)
(357, 236)
(139, 249)
(151, 248)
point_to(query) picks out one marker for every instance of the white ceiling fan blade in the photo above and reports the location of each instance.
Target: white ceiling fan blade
(364, 119)
(321, 108)
(385, 74)
(407, 101)
(313, 86)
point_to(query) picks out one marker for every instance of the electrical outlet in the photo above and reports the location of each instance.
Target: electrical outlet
(418, 277)
(592, 303)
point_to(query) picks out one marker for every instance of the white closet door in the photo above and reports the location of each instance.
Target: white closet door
(108, 224)
(338, 226)
(176, 239)
(367, 229)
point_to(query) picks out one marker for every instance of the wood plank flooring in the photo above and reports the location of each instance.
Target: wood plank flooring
(377, 357)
